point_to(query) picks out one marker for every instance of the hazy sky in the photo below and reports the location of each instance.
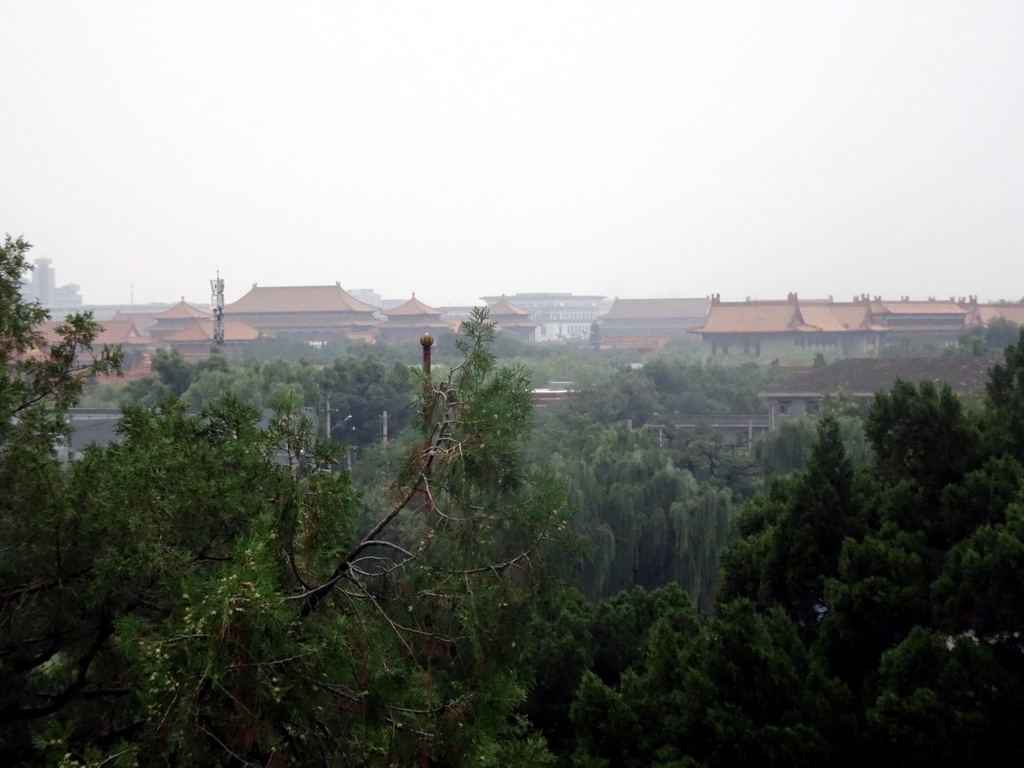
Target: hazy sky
(457, 150)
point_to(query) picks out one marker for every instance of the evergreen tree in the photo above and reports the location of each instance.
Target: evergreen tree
(201, 593)
(865, 614)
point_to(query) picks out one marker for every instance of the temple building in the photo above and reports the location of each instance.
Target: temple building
(175, 318)
(195, 340)
(512, 319)
(112, 333)
(410, 320)
(649, 324)
(858, 328)
(308, 312)
(557, 316)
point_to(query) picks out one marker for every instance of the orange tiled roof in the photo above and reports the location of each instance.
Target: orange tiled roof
(48, 330)
(143, 320)
(111, 332)
(412, 307)
(657, 308)
(1014, 313)
(836, 317)
(202, 330)
(180, 311)
(296, 321)
(120, 332)
(917, 308)
(298, 298)
(504, 307)
(753, 316)
(820, 316)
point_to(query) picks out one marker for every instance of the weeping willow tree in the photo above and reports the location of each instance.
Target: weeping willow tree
(650, 522)
(788, 447)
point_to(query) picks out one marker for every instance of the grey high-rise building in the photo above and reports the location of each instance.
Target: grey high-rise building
(41, 286)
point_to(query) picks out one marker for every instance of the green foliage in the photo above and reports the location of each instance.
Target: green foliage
(574, 641)
(202, 593)
(788, 446)
(631, 396)
(665, 387)
(793, 538)
(810, 533)
(743, 690)
(364, 388)
(980, 571)
(944, 702)
(357, 390)
(910, 346)
(866, 613)
(650, 521)
(985, 342)
(656, 504)
(39, 381)
(1004, 404)
(1001, 333)
(921, 434)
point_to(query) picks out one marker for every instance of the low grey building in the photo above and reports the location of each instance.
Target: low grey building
(861, 378)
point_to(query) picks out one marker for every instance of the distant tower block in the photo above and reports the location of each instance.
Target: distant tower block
(217, 304)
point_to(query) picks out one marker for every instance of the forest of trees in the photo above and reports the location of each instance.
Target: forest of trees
(496, 585)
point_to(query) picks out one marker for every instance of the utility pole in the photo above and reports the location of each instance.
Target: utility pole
(384, 428)
(217, 304)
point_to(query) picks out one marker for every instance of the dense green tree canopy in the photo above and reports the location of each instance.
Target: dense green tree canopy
(212, 590)
(203, 592)
(867, 613)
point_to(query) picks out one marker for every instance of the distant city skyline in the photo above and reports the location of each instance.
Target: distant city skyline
(385, 302)
(657, 149)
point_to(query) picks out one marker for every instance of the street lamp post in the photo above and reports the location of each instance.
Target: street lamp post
(329, 411)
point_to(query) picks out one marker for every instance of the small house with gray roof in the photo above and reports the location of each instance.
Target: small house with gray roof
(861, 378)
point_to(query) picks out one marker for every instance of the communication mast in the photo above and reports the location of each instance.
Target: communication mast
(217, 305)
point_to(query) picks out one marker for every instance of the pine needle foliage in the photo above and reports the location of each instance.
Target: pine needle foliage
(202, 593)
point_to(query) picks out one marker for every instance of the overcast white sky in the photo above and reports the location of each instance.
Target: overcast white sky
(633, 149)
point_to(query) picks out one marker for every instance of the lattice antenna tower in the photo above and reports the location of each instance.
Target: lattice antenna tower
(217, 304)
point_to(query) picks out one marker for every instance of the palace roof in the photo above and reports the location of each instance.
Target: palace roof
(656, 309)
(504, 308)
(905, 307)
(180, 311)
(1013, 313)
(836, 317)
(412, 307)
(298, 299)
(819, 316)
(202, 330)
(750, 316)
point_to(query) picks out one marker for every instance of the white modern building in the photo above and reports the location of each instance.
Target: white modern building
(559, 316)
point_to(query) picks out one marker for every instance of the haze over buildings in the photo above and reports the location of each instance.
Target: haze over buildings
(465, 149)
